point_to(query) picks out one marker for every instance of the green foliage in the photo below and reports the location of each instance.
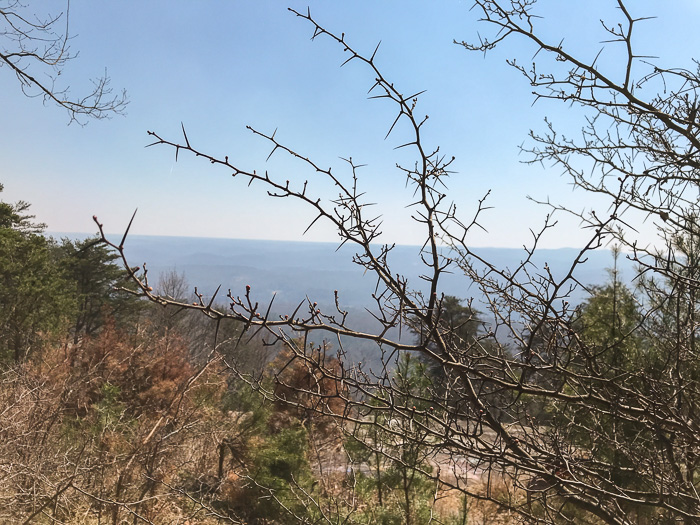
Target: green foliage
(413, 381)
(110, 409)
(45, 285)
(394, 445)
(671, 367)
(98, 280)
(460, 326)
(281, 458)
(461, 322)
(35, 297)
(614, 355)
(610, 325)
(279, 469)
(13, 217)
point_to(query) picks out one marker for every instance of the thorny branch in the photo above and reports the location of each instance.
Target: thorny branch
(527, 397)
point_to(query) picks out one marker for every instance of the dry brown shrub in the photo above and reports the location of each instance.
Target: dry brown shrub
(303, 393)
(107, 429)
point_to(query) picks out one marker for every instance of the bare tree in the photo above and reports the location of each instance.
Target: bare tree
(557, 424)
(36, 49)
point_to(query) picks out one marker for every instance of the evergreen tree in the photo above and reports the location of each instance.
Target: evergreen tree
(460, 326)
(610, 324)
(98, 283)
(35, 298)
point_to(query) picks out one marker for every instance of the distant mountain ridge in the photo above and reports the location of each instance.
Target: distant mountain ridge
(296, 270)
(291, 272)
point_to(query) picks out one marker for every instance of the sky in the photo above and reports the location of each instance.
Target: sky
(217, 66)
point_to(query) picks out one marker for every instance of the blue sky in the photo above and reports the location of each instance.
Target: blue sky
(218, 66)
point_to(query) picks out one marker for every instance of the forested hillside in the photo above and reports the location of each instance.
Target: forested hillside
(294, 270)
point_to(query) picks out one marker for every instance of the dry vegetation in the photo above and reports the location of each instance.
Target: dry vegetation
(534, 410)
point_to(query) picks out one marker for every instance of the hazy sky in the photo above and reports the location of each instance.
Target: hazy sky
(218, 66)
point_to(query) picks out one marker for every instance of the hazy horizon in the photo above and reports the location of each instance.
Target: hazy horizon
(292, 270)
(118, 235)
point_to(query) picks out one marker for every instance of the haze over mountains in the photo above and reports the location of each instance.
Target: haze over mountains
(296, 270)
